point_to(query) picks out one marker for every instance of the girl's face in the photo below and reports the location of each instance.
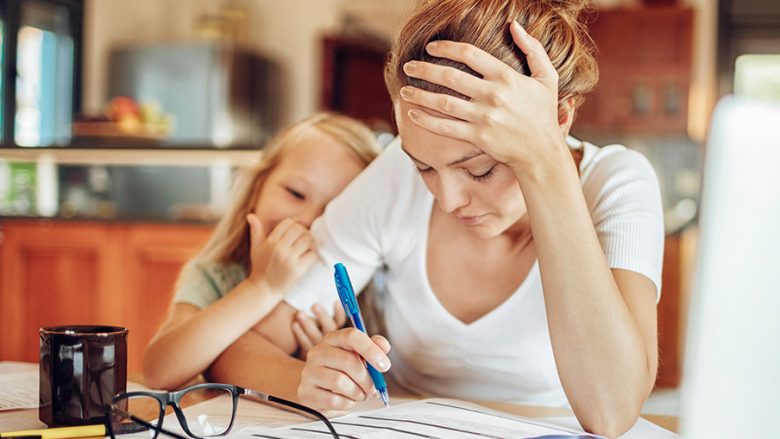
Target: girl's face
(309, 174)
(482, 194)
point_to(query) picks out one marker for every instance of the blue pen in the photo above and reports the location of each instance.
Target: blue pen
(349, 302)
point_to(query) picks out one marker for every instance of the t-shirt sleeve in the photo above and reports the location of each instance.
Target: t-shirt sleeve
(624, 199)
(357, 229)
(195, 287)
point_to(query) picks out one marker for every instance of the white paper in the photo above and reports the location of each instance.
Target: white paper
(433, 418)
(19, 390)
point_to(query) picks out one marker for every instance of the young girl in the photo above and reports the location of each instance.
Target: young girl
(522, 265)
(259, 248)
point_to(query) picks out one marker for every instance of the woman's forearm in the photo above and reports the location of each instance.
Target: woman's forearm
(600, 352)
(255, 362)
(185, 349)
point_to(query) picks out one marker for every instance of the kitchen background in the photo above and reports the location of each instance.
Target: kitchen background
(123, 122)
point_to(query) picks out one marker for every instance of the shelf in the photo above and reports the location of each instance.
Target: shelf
(126, 156)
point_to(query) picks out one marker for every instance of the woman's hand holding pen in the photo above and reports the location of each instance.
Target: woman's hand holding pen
(335, 378)
(510, 116)
(282, 256)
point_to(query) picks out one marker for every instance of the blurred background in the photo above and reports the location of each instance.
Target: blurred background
(122, 123)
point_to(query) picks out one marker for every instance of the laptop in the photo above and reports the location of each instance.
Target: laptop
(731, 379)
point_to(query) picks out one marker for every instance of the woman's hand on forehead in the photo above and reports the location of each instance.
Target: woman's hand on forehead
(510, 116)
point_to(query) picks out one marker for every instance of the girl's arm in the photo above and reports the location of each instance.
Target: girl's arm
(192, 339)
(260, 359)
(602, 322)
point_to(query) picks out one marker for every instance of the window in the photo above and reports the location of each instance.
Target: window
(41, 52)
(758, 76)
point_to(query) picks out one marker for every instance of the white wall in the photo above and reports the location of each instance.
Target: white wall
(704, 85)
(289, 31)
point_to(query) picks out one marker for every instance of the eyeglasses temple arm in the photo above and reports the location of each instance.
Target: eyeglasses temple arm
(146, 424)
(295, 405)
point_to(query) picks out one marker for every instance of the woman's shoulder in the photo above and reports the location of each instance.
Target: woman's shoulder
(391, 178)
(611, 166)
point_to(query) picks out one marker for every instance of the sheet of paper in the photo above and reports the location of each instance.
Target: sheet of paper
(19, 390)
(430, 418)
(434, 418)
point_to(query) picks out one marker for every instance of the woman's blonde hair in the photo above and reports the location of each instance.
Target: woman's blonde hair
(230, 240)
(484, 23)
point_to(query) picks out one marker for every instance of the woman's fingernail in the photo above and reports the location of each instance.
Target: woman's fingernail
(383, 365)
(410, 66)
(406, 92)
(520, 28)
(413, 114)
(432, 45)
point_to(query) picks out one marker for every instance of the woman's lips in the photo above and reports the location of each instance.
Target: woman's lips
(467, 220)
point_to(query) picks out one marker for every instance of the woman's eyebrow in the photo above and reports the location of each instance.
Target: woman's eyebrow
(465, 158)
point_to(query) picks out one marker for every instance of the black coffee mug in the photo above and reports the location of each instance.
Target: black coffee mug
(81, 369)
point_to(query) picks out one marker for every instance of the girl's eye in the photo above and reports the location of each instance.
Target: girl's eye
(484, 176)
(296, 194)
(423, 171)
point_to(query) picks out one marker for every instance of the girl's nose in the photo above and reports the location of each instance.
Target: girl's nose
(309, 215)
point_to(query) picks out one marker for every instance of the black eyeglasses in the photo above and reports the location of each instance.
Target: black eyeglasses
(132, 412)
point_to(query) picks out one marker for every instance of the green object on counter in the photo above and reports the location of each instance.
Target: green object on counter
(20, 196)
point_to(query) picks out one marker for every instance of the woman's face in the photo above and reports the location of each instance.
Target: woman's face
(482, 194)
(309, 174)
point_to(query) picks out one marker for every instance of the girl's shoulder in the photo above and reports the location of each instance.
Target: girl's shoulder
(222, 276)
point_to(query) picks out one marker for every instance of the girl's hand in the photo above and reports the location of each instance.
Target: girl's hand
(281, 257)
(309, 332)
(511, 117)
(335, 378)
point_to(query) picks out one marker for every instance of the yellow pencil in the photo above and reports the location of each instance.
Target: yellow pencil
(60, 432)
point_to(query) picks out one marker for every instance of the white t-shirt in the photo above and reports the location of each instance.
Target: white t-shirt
(382, 218)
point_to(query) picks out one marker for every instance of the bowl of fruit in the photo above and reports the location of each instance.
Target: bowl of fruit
(125, 121)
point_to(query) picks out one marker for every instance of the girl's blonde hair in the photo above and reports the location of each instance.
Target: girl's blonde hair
(230, 240)
(484, 23)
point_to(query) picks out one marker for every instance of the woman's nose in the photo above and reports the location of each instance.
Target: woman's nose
(451, 196)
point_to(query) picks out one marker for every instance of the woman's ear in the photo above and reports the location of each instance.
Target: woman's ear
(566, 116)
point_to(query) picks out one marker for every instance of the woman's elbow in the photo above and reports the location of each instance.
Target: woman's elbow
(612, 421)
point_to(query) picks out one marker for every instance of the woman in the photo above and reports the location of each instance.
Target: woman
(522, 265)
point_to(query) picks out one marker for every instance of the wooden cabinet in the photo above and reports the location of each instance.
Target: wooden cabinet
(644, 58)
(51, 274)
(679, 259)
(153, 256)
(59, 273)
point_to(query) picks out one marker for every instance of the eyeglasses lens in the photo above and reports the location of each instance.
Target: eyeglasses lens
(205, 425)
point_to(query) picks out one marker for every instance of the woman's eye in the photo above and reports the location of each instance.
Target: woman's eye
(296, 194)
(423, 170)
(484, 176)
